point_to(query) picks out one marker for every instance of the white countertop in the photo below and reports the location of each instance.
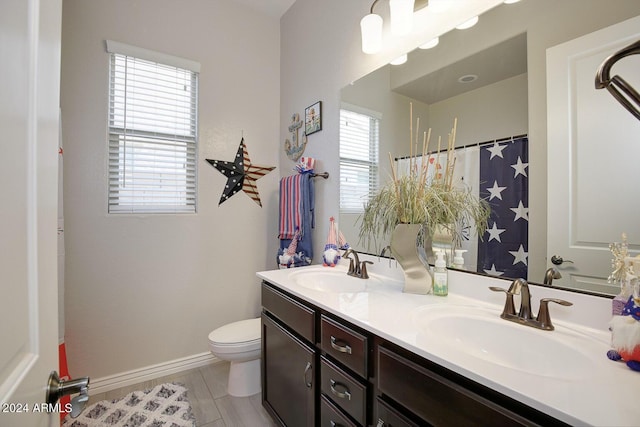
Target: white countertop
(604, 395)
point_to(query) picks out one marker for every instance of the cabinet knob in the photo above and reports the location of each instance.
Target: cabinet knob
(346, 348)
(341, 394)
(307, 368)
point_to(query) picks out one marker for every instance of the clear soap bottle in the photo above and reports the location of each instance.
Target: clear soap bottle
(440, 276)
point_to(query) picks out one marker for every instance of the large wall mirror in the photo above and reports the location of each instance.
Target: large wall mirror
(492, 78)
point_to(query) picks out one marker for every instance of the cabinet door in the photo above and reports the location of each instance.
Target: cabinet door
(288, 375)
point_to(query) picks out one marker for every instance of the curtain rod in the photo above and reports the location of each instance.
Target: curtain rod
(477, 144)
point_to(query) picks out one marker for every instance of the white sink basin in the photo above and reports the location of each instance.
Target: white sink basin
(328, 279)
(472, 332)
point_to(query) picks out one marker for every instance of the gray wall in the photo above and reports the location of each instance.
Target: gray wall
(147, 289)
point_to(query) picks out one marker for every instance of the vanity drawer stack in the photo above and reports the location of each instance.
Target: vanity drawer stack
(343, 373)
(413, 392)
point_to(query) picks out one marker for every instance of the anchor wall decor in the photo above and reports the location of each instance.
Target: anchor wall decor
(293, 148)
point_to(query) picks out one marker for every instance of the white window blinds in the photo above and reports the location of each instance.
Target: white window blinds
(359, 140)
(152, 136)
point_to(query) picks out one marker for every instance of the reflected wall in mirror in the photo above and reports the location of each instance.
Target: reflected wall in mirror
(506, 50)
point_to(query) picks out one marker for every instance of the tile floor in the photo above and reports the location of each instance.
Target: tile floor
(211, 404)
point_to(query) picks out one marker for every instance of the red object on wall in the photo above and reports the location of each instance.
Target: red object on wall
(64, 375)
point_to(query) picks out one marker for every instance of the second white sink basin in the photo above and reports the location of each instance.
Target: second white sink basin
(328, 279)
(466, 331)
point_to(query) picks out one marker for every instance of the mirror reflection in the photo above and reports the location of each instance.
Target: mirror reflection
(492, 78)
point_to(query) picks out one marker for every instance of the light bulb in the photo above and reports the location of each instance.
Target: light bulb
(430, 44)
(468, 24)
(399, 60)
(401, 16)
(371, 29)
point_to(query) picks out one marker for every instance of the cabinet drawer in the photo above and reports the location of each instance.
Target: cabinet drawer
(347, 392)
(330, 416)
(436, 399)
(295, 315)
(344, 344)
(389, 417)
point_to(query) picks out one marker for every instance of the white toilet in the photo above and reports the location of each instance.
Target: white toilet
(239, 343)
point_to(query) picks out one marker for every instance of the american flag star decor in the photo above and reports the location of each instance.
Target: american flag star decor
(241, 175)
(504, 183)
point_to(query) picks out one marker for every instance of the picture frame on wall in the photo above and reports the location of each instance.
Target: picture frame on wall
(313, 118)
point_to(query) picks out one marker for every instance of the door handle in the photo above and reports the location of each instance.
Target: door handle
(557, 260)
(57, 388)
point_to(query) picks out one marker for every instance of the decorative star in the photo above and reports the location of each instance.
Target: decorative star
(520, 168)
(521, 212)
(493, 271)
(495, 232)
(496, 150)
(495, 191)
(241, 175)
(519, 256)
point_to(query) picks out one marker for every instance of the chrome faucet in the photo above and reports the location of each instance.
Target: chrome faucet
(356, 268)
(524, 315)
(550, 274)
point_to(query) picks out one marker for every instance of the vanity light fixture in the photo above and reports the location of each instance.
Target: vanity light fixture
(468, 24)
(401, 12)
(401, 17)
(430, 44)
(399, 60)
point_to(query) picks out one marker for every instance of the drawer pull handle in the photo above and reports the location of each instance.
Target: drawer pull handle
(341, 394)
(341, 348)
(307, 368)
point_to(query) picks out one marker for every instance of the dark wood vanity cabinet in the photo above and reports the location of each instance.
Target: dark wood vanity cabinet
(289, 359)
(320, 370)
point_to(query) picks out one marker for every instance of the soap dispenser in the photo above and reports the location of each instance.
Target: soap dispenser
(458, 260)
(440, 276)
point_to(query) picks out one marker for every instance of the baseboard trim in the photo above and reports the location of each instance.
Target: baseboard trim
(123, 379)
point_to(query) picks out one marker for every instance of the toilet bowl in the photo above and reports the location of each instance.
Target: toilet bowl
(239, 343)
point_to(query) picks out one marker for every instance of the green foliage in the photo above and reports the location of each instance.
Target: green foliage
(410, 200)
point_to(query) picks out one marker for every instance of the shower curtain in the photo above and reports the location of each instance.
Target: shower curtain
(497, 172)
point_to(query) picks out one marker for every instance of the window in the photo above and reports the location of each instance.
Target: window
(153, 113)
(359, 140)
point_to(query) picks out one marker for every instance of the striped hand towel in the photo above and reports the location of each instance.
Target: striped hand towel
(290, 206)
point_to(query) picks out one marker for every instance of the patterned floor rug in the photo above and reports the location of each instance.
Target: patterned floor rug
(165, 405)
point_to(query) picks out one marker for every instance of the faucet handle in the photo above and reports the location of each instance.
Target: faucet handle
(544, 319)
(363, 269)
(352, 268)
(509, 306)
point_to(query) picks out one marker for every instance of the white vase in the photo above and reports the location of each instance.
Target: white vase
(410, 255)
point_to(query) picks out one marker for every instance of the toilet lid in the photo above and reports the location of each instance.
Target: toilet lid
(237, 332)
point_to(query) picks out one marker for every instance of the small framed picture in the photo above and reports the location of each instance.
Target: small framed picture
(313, 118)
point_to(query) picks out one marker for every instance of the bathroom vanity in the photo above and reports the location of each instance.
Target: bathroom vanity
(341, 351)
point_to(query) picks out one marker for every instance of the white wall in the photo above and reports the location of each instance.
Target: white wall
(321, 54)
(143, 289)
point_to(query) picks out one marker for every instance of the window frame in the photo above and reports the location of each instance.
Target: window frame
(165, 150)
(372, 164)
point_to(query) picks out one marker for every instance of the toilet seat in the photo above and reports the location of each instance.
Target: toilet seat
(243, 335)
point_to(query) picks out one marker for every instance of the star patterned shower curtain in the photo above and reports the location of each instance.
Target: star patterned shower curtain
(496, 171)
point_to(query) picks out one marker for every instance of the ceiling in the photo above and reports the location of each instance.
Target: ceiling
(496, 63)
(275, 8)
